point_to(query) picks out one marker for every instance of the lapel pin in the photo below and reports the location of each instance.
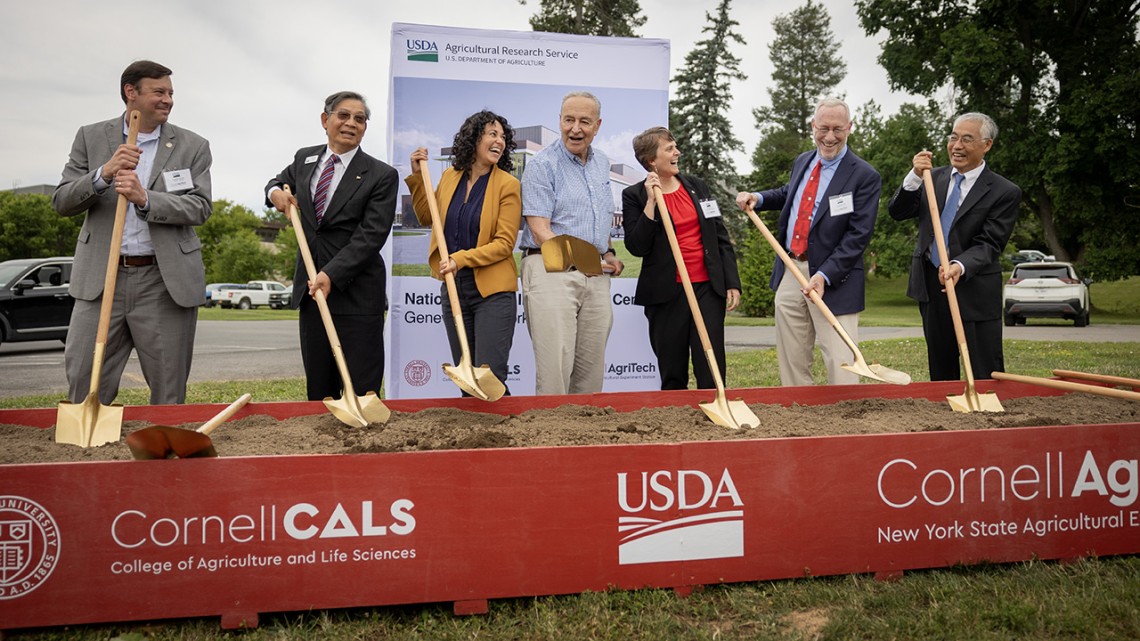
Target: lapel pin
(358, 177)
(169, 145)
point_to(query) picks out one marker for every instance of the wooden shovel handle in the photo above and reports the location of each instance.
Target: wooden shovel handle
(951, 295)
(1099, 378)
(444, 257)
(112, 274)
(224, 415)
(791, 267)
(1068, 386)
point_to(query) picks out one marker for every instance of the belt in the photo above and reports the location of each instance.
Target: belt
(800, 257)
(136, 261)
(530, 251)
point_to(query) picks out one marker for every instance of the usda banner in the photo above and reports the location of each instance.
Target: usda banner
(442, 75)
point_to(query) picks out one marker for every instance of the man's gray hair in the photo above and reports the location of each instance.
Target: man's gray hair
(988, 126)
(832, 101)
(584, 94)
(332, 101)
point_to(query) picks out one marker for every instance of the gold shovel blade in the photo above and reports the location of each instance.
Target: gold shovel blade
(731, 414)
(363, 412)
(878, 372)
(972, 401)
(479, 382)
(88, 424)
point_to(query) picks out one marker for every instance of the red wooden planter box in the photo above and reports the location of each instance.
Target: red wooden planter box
(239, 536)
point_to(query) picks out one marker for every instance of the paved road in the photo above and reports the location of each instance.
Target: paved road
(243, 350)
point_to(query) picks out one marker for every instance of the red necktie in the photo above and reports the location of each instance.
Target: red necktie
(321, 196)
(803, 218)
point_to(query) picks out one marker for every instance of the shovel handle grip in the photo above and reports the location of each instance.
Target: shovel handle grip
(441, 247)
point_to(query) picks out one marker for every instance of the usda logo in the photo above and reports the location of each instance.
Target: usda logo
(422, 51)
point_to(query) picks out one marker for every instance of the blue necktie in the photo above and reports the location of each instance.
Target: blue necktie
(948, 213)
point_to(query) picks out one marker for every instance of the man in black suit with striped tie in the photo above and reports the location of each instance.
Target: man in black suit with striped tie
(347, 201)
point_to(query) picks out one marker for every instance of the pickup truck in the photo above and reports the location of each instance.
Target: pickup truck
(253, 294)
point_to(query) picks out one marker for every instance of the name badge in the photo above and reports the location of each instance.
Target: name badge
(710, 209)
(841, 204)
(312, 159)
(178, 180)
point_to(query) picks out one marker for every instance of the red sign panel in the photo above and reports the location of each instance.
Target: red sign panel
(118, 541)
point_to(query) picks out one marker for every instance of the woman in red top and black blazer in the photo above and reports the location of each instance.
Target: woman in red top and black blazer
(706, 249)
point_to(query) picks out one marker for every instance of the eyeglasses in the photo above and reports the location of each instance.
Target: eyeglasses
(344, 116)
(966, 140)
(838, 131)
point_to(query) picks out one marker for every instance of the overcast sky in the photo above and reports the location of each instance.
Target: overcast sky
(251, 75)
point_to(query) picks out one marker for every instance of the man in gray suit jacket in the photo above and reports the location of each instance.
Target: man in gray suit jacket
(161, 279)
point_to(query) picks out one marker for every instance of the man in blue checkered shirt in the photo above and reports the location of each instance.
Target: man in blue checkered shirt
(566, 190)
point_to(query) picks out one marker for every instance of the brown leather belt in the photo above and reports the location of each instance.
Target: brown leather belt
(799, 257)
(136, 261)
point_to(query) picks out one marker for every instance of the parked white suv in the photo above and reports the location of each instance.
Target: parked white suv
(254, 294)
(1046, 290)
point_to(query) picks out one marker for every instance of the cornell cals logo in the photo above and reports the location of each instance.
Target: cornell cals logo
(29, 546)
(422, 51)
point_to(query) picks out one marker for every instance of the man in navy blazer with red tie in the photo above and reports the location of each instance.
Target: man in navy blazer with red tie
(826, 235)
(345, 227)
(987, 210)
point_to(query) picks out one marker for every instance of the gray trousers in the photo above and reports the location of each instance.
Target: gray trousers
(490, 325)
(144, 318)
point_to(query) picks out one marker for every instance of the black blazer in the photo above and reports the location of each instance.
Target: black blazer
(646, 238)
(977, 239)
(355, 226)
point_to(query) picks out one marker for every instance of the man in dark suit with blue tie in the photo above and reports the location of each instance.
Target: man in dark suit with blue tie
(978, 209)
(347, 202)
(827, 215)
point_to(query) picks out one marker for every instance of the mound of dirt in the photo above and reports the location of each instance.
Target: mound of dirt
(449, 428)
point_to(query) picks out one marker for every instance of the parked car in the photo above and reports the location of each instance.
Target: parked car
(1046, 290)
(254, 294)
(34, 303)
(1030, 256)
(213, 287)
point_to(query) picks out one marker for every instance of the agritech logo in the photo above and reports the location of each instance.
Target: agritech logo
(29, 546)
(422, 50)
(678, 515)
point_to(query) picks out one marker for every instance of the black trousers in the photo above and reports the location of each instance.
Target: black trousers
(983, 338)
(362, 340)
(674, 337)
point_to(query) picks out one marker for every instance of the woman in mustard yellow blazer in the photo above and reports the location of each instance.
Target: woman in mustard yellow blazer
(480, 211)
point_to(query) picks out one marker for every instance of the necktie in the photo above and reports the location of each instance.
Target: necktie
(948, 213)
(321, 195)
(803, 217)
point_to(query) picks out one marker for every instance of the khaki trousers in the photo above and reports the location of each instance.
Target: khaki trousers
(569, 318)
(799, 325)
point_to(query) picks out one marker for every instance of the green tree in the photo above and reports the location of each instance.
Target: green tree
(285, 257)
(231, 249)
(698, 115)
(889, 144)
(588, 17)
(31, 228)
(807, 65)
(1060, 80)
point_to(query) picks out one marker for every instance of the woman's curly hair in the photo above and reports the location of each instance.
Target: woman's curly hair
(463, 147)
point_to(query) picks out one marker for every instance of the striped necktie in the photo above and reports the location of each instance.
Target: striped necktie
(321, 195)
